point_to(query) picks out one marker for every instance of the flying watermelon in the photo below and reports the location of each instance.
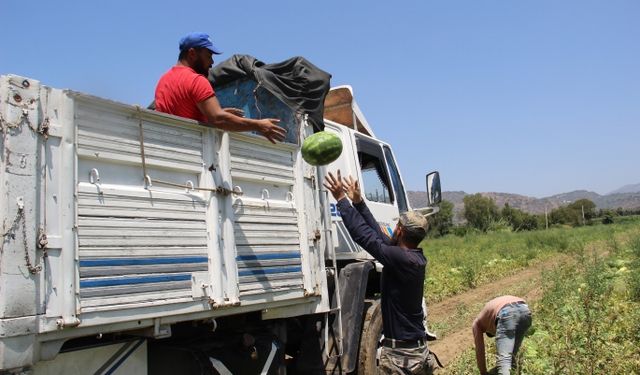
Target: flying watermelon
(321, 148)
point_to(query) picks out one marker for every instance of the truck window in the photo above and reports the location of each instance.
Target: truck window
(395, 180)
(375, 180)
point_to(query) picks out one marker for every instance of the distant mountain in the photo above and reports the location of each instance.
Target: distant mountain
(574, 196)
(624, 200)
(419, 198)
(530, 204)
(633, 188)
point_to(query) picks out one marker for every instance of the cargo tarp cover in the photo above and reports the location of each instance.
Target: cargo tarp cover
(296, 82)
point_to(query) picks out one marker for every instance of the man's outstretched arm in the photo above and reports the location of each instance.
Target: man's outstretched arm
(359, 230)
(352, 189)
(226, 120)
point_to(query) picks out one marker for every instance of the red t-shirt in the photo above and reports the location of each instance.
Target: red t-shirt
(180, 89)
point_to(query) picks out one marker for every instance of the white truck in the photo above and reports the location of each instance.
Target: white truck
(136, 242)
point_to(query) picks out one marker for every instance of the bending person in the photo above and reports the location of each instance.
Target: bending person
(507, 318)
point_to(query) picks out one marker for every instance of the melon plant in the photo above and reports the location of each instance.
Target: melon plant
(321, 148)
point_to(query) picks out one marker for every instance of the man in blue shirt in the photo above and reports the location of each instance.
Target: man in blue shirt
(404, 348)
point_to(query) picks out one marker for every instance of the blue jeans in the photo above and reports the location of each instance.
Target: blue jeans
(513, 321)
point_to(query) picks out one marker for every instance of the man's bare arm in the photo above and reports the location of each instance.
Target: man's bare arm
(221, 119)
(478, 340)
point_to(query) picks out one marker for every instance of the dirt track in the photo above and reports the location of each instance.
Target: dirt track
(455, 340)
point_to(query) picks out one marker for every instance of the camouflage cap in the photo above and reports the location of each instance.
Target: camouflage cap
(414, 222)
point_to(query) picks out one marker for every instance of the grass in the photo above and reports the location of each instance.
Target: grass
(457, 264)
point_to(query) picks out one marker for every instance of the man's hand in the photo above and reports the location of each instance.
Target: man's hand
(235, 111)
(352, 188)
(334, 185)
(269, 129)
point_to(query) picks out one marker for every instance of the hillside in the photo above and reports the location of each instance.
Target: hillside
(633, 188)
(534, 205)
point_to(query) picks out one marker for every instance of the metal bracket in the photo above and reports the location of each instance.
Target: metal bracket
(94, 176)
(147, 181)
(68, 322)
(264, 193)
(189, 185)
(216, 305)
(42, 238)
(237, 191)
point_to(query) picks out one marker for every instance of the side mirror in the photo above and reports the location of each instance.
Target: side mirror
(434, 193)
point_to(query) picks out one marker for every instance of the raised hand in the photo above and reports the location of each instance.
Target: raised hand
(334, 185)
(269, 129)
(352, 188)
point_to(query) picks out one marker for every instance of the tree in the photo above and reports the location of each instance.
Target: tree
(530, 222)
(480, 211)
(518, 219)
(607, 216)
(513, 216)
(441, 223)
(584, 204)
(564, 215)
(573, 213)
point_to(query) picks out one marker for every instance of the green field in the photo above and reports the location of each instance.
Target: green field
(587, 320)
(457, 264)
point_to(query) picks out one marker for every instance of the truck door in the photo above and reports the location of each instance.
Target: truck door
(380, 182)
(401, 197)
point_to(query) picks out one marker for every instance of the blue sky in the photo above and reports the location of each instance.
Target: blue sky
(528, 97)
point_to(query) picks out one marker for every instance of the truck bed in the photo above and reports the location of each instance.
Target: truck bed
(147, 219)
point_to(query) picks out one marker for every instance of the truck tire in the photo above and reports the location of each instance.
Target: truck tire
(370, 338)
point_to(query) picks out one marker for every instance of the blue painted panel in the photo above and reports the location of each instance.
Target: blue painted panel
(133, 280)
(257, 105)
(269, 271)
(140, 261)
(287, 255)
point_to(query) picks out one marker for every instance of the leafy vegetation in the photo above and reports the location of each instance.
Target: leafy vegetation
(519, 220)
(577, 213)
(588, 319)
(441, 223)
(480, 211)
(458, 263)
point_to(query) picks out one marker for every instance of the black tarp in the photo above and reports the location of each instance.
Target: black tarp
(296, 82)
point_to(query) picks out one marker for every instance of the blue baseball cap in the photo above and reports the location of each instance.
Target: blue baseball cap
(198, 40)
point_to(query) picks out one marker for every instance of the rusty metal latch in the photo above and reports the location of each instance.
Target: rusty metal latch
(42, 239)
(44, 128)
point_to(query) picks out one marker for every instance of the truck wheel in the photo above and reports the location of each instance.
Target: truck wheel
(371, 336)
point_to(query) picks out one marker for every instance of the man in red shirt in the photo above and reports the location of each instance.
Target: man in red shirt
(185, 91)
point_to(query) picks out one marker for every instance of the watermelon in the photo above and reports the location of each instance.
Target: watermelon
(321, 148)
